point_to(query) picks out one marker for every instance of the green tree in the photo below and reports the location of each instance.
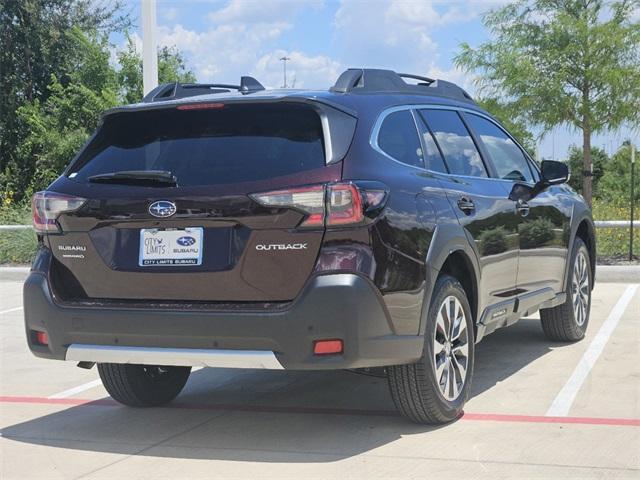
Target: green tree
(34, 46)
(616, 181)
(58, 126)
(599, 160)
(563, 62)
(171, 68)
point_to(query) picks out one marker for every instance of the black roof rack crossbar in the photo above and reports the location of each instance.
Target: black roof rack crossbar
(172, 91)
(426, 80)
(371, 80)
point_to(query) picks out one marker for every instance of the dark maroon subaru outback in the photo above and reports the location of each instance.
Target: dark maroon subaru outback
(387, 222)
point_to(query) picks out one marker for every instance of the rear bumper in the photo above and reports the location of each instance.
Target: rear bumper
(340, 306)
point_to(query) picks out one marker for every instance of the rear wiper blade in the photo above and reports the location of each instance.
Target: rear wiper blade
(153, 178)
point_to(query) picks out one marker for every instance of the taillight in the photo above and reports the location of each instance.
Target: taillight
(309, 200)
(345, 205)
(46, 207)
(334, 204)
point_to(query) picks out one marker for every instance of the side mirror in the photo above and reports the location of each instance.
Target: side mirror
(554, 173)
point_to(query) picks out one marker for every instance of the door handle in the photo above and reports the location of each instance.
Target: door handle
(466, 205)
(522, 207)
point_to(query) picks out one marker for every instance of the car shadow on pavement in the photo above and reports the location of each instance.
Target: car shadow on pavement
(266, 416)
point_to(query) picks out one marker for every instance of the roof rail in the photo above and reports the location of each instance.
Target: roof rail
(172, 91)
(371, 80)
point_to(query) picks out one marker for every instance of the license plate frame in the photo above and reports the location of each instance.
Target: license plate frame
(171, 247)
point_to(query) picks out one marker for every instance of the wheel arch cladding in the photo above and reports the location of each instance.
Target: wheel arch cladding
(586, 232)
(459, 265)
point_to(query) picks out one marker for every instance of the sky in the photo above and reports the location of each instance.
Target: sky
(224, 39)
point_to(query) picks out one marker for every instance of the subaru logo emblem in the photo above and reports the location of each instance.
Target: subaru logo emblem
(186, 241)
(162, 208)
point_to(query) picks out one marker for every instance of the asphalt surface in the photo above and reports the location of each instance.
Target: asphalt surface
(538, 410)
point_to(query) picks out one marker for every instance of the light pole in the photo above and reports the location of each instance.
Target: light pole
(149, 46)
(633, 164)
(284, 61)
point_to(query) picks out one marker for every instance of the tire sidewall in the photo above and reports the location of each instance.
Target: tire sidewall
(448, 286)
(578, 247)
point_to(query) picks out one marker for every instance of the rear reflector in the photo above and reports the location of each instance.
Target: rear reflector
(327, 347)
(42, 338)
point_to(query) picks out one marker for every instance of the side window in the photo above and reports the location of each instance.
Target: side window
(460, 153)
(399, 139)
(507, 158)
(432, 158)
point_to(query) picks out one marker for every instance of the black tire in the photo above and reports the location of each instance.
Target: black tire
(143, 385)
(560, 323)
(414, 388)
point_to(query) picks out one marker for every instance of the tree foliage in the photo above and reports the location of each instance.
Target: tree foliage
(563, 62)
(600, 162)
(35, 45)
(48, 121)
(171, 68)
(615, 182)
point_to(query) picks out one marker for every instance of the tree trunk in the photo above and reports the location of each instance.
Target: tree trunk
(586, 164)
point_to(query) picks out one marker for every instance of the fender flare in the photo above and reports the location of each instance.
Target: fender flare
(447, 239)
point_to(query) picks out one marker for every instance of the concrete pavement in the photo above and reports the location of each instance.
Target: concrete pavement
(301, 425)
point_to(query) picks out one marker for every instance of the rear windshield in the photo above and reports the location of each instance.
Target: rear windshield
(236, 143)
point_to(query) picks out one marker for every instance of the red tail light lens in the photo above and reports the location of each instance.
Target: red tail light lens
(345, 205)
(335, 204)
(46, 207)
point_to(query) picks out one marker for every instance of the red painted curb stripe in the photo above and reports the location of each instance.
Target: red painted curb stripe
(486, 417)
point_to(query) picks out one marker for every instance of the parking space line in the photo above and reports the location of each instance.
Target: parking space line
(565, 398)
(486, 417)
(10, 310)
(75, 390)
(88, 386)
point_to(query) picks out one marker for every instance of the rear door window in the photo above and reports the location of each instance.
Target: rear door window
(235, 143)
(455, 142)
(399, 139)
(507, 158)
(432, 158)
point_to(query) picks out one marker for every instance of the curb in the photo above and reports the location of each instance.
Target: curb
(604, 273)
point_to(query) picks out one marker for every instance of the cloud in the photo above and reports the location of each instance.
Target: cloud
(261, 11)
(224, 52)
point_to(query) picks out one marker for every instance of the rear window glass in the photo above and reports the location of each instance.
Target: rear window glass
(237, 143)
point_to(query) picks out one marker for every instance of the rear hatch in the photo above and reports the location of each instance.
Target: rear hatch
(170, 213)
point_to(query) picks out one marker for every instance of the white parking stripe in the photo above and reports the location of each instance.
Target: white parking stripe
(563, 401)
(10, 310)
(88, 386)
(75, 390)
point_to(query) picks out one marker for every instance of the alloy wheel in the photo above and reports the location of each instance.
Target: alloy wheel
(451, 348)
(580, 288)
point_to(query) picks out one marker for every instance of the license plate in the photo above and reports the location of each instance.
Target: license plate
(168, 248)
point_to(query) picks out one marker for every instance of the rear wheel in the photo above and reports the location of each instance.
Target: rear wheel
(568, 322)
(435, 388)
(143, 385)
